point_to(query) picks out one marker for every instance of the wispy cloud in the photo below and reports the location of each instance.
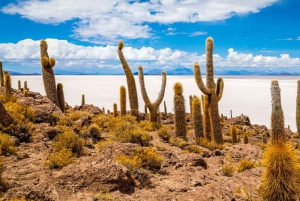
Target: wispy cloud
(198, 33)
(127, 19)
(298, 38)
(284, 39)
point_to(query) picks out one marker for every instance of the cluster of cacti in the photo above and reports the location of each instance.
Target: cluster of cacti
(115, 110)
(233, 133)
(82, 100)
(153, 107)
(1, 75)
(277, 119)
(206, 118)
(48, 73)
(197, 117)
(61, 97)
(123, 100)
(179, 111)
(7, 85)
(213, 91)
(133, 99)
(5, 118)
(298, 107)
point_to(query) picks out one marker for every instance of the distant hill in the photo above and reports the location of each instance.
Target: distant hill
(176, 71)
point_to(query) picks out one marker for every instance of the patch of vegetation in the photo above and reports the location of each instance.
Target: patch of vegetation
(94, 131)
(150, 126)
(194, 149)
(7, 145)
(3, 184)
(101, 120)
(209, 145)
(245, 165)
(60, 159)
(228, 170)
(165, 133)
(178, 142)
(105, 196)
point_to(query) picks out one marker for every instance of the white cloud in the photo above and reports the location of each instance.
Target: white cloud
(285, 39)
(26, 52)
(298, 38)
(198, 33)
(108, 20)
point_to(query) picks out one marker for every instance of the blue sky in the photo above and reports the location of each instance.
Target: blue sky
(256, 35)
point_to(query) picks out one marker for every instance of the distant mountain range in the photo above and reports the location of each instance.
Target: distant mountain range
(177, 71)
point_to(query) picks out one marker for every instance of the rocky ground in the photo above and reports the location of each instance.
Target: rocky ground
(182, 176)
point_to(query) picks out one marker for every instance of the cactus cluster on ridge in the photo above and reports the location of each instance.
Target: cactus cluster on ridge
(132, 92)
(213, 91)
(153, 107)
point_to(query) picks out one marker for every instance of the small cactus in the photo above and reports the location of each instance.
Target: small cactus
(7, 85)
(277, 119)
(191, 104)
(197, 117)
(19, 85)
(82, 100)
(115, 110)
(206, 118)
(5, 118)
(153, 107)
(298, 107)
(165, 108)
(25, 85)
(48, 73)
(1, 75)
(25, 93)
(179, 115)
(123, 100)
(233, 134)
(246, 140)
(103, 110)
(132, 92)
(61, 97)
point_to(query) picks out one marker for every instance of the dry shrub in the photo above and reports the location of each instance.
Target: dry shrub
(145, 157)
(178, 142)
(149, 126)
(227, 170)
(165, 133)
(3, 184)
(60, 159)
(194, 149)
(7, 145)
(94, 131)
(18, 199)
(245, 165)
(101, 120)
(105, 196)
(207, 144)
(70, 117)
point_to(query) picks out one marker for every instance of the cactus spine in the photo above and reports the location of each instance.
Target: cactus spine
(132, 92)
(7, 85)
(123, 100)
(61, 97)
(19, 85)
(179, 115)
(298, 107)
(115, 110)
(234, 134)
(206, 118)
(5, 118)
(165, 108)
(277, 119)
(1, 75)
(153, 107)
(213, 91)
(197, 117)
(48, 73)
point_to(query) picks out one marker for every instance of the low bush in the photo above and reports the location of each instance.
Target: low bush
(178, 142)
(60, 159)
(94, 131)
(227, 170)
(7, 145)
(207, 144)
(195, 149)
(101, 120)
(165, 133)
(245, 165)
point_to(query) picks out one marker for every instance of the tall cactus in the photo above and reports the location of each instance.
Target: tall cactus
(298, 107)
(165, 108)
(132, 92)
(61, 97)
(82, 100)
(48, 73)
(1, 75)
(123, 100)
(179, 115)
(19, 85)
(5, 118)
(233, 134)
(277, 118)
(206, 118)
(153, 107)
(213, 91)
(7, 85)
(197, 117)
(115, 110)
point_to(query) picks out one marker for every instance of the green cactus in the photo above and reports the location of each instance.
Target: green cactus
(277, 119)
(165, 108)
(206, 118)
(115, 110)
(298, 107)
(1, 75)
(213, 91)
(191, 104)
(61, 97)
(82, 100)
(153, 107)
(48, 73)
(233, 132)
(19, 85)
(123, 100)
(246, 140)
(179, 109)
(7, 85)
(5, 118)
(197, 117)
(132, 92)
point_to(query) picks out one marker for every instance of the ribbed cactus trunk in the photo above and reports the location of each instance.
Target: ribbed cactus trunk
(146, 109)
(165, 108)
(48, 73)
(277, 118)
(61, 97)
(1, 75)
(213, 91)
(153, 107)
(82, 100)
(7, 85)
(115, 110)
(179, 112)
(25, 85)
(132, 92)
(197, 117)
(5, 118)
(19, 85)
(298, 107)
(25, 93)
(123, 100)
(206, 118)
(233, 134)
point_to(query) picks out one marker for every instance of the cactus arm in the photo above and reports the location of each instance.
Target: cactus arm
(198, 78)
(162, 89)
(220, 88)
(52, 62)
(143, 88)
